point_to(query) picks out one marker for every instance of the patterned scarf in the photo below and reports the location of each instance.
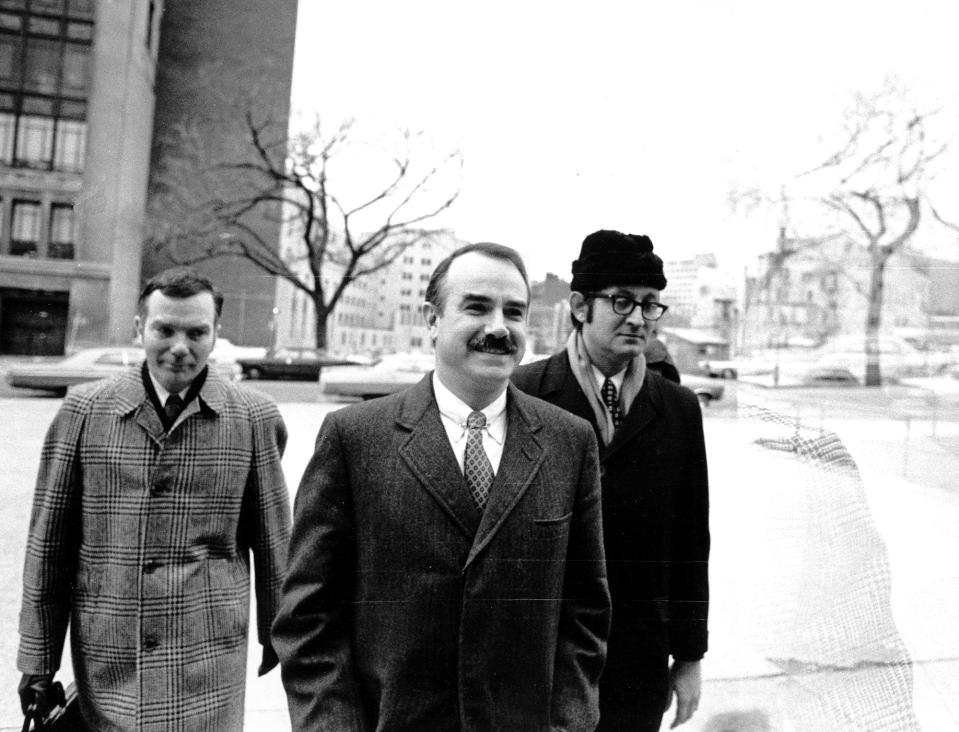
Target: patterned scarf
(580, 363)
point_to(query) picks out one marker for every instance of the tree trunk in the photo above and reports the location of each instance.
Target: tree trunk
(322, 314)
(873, 321)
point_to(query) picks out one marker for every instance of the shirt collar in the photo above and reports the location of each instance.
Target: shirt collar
(456, 410)
(163, 394)
(617, 378)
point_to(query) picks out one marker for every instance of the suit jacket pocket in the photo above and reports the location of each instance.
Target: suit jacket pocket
(551, 528)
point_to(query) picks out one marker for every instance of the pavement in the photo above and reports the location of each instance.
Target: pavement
(833, 589)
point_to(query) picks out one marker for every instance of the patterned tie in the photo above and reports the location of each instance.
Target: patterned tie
(173, 407)
(612, 402)
(476, 466)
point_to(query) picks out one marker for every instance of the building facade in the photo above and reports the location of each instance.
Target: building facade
(87, 90)
(806, 293)
(76, 113)
(376, 314)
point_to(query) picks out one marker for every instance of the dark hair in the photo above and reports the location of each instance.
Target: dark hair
(180, 283)
(434, 290)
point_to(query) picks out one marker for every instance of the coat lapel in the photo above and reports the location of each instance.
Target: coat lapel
(560, 387)
(428, 454)
(522, 456)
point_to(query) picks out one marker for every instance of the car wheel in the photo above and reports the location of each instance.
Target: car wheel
(704, 399)
(729, 373)
(254, 374)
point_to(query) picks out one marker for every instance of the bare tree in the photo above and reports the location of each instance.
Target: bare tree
(348, 206)
(870, 193)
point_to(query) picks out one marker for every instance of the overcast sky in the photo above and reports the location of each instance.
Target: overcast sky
(635, 115)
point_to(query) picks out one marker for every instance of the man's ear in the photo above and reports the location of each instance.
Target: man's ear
(578, 306)
(138, 327)
(430, 314)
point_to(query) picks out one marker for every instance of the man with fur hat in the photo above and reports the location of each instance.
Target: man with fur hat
(655, 487)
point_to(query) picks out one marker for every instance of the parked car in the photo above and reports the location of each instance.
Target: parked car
(303, 364)
(897, 357)
(90, 364)
(706, 389)
(734, 368)
(826, 376)
(390, 374)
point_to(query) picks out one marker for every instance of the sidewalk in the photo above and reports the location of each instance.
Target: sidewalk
(833, 598)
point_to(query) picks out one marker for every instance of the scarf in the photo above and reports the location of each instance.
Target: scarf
(580, 363)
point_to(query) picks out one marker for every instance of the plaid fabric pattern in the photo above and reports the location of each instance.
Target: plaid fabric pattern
(611, 399)
(476, 465)
(142, 541)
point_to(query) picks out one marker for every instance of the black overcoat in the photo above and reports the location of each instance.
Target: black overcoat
(655, 525)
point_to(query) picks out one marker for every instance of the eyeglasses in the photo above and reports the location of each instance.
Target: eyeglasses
(623, 305)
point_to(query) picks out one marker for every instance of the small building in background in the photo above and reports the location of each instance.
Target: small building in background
(690, 347)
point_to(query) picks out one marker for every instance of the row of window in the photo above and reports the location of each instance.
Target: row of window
(42, 142)
(45, 58)
(81, 9)
(26, 234)
(409, 276)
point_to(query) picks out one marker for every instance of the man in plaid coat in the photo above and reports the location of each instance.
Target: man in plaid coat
(145, 517)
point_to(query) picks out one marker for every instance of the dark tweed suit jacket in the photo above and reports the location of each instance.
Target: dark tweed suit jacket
(143, 540)
(405, 608)
(655, 524)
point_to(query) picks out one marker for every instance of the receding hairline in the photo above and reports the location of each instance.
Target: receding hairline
(435, 291)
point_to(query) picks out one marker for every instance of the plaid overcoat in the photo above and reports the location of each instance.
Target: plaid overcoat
(141, 541)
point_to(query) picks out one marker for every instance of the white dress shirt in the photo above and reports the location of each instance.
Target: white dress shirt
(454, 412)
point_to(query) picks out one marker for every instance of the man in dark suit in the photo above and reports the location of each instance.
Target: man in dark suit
(446, 566)
(655, 492)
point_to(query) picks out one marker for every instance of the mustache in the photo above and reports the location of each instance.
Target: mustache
(490, 343)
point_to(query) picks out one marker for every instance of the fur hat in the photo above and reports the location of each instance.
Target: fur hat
(612, 258)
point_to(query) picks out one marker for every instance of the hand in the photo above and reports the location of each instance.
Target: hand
(685, 683)
(39, 691)
(268, 661)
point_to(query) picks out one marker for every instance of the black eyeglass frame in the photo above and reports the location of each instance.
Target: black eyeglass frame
(625, 305)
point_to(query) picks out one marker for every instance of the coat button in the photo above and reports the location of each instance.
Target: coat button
(162, 484)
(151, 567)
(150, 644)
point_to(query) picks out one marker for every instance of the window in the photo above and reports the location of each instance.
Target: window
(35, 141)
(70, 145)
(76, 58)
(62, 222)
(7, 125)
(25, 231)
(151, 12)
(42, 67)
(44, 80)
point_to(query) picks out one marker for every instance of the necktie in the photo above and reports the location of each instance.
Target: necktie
(476, 466)
(612, 402)
(173, 407)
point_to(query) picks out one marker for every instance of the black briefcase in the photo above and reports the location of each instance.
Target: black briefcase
(64, 718)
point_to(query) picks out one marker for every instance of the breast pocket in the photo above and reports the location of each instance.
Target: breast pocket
(551, 528)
